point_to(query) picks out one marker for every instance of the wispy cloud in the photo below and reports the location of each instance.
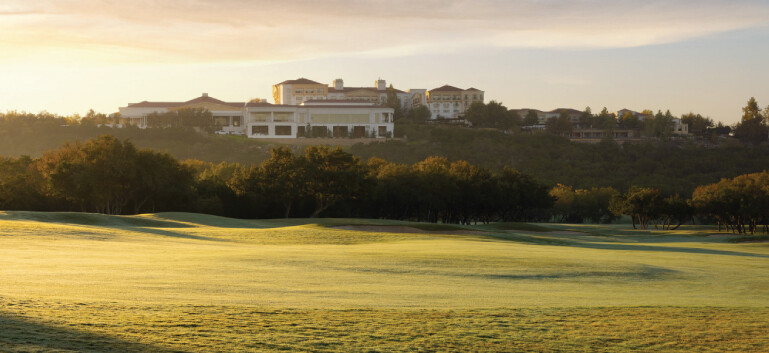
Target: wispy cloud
(240, 30)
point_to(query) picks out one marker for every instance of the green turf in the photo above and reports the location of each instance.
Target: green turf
(187, 282)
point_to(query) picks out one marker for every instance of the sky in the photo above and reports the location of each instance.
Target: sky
(702, 56)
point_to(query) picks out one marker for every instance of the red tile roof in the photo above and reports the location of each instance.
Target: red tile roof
(300, 80)
(445, 88)
(568, 110)
(201, 99)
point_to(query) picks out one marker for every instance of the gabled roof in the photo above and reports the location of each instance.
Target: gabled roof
(201, 99)
(568, 110)
(527, 109)
(300, 80)
(446, 88)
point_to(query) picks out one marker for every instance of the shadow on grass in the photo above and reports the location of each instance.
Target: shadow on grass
(19, 334)
(675, 249)
(168, 233)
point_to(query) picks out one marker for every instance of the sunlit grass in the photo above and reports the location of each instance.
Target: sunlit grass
(199, 283)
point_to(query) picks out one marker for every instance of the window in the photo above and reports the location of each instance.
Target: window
(298, 91)
(260, 130)
(340, 131)
(283, 130)
(300, 131)
(382, 131)
(221, 121)
(283, 116)
(262, 117)
(475, 96)
(235, 121)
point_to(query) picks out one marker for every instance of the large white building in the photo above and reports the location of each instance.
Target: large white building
(318, 118)
(446, 102)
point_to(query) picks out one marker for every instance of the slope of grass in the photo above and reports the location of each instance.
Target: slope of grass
(186, 282)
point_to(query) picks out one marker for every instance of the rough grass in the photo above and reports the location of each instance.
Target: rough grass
(185, 282)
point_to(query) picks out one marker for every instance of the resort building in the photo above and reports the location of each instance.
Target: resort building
(445, 102)
(449, 102)
(227, 115)
(319, 118)
(295, 92)
(311, 118)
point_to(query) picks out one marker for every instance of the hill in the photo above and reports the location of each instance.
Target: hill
(550, 159)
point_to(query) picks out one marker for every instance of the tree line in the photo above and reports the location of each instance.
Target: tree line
(112, 176)
(753, 127)
(109, 175)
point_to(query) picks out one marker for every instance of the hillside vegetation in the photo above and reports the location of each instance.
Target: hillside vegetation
(550, 159)
(190, 282)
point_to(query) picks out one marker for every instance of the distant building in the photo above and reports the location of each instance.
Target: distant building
(543, 116)
(450, 102)
(303, 90)
(319, 118)
(297, 91)
(444, 102)
(265, 120)
(226, 114)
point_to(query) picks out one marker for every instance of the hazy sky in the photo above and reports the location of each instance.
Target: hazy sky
(67, 56)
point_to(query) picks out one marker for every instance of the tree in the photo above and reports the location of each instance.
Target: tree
(697, 123)
(531, 118)
(395, 103)
(419, 114)
(477, 114)
(630, 121)
(107, 175)
(560, 126)
(641, 204)
(332, 176)
(753, 126)
(280, 179)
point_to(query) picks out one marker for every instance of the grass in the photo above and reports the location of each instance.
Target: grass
(186, 282)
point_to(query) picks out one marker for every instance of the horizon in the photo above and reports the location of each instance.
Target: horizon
(704, 57)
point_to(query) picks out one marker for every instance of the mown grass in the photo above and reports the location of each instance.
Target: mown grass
(201, 328)
(185, 282)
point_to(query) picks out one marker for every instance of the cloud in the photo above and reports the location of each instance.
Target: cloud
(194, 31)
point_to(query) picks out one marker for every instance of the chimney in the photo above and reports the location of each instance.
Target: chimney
(380, 84)
(205, 94)
(338, 84)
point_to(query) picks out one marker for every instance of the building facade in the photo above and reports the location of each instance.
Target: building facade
(449, 102)
(228, 115)
(312, 118)
(446, 102)
(319, 118)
